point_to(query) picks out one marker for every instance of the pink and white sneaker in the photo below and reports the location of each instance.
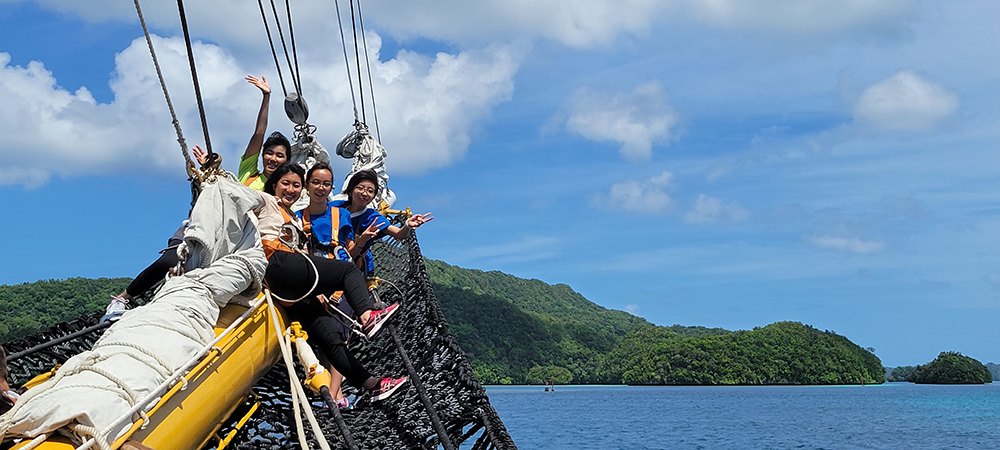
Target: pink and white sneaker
(386, 388)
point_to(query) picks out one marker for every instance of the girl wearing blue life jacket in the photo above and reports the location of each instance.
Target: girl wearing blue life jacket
(292, 274)
(368, 224)
(329, 232)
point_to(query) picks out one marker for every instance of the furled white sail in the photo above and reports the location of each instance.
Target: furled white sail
(93, 393)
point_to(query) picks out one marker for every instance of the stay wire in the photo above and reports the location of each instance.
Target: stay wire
(295, 54)
(194, 75)
(357, 60)
(284, 47)
(371, 88)
(347, 62)
(163, 85)
(270, 41)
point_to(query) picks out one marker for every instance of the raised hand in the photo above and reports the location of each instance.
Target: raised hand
(199, 154)
(261, 83)
(369, 233)
(417, 220)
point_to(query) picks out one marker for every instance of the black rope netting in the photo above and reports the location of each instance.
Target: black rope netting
(404, 421)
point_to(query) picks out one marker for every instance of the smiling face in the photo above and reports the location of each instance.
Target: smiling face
(319, 186)
(272, 157)
(288, 188)
(362, 194)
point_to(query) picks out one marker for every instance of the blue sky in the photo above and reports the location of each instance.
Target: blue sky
(719, 163)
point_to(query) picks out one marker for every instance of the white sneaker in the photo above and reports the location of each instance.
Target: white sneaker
(115, 309)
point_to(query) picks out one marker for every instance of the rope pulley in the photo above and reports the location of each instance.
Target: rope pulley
(296, 108)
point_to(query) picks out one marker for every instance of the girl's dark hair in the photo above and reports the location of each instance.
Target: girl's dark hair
(364, 175)
(281, 171)
(319, 166)
(277, 138)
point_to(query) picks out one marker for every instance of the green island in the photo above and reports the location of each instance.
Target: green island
(947, 368)
(518, 331)
(952, 368)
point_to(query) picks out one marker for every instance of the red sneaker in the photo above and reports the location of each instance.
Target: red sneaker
(377, 319)
(387, 387)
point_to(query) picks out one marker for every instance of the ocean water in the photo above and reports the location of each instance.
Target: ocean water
(888, 416)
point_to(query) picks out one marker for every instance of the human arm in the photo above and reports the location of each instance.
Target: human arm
(415, 221)
(257, 140)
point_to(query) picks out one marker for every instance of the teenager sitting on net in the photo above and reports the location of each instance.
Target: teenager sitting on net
(296, 278)
(329, 230)
(370, 226)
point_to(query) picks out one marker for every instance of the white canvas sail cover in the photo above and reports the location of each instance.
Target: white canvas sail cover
(368, 154)
(95, 388)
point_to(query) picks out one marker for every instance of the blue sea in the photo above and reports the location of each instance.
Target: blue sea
(888, 416)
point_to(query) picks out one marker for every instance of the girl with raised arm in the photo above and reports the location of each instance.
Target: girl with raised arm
(273, 151)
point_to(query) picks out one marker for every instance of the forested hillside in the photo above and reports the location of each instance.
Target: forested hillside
(31, 307)
(509, 325)
(516, 331)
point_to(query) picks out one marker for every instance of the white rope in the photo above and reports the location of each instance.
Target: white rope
(35, 442)
(158, 365)
(315, 282)
(298, 394)
(156, 392)
(183, 333)
(89, 430)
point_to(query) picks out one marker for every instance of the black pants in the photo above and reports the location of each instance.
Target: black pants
(289, 275)
(154, 273)
(325, 333)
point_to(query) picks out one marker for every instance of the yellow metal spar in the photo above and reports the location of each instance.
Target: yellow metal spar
(192, 412)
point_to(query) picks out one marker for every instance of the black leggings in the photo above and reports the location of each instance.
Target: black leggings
(154, 273)
(289, 275)
(324, 333)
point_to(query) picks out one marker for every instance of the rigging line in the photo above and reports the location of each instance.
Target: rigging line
(295, 54)
(163, 85)
(371, 88)
(194, 75)
(347, 62)
(357, 60)
(270, 40)
(284, 47)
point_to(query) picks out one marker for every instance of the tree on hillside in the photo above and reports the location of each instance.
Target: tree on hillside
(952, 368)
(901, 373)
(544, 374)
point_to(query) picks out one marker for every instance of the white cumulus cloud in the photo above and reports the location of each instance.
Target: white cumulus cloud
(801, 16)
(636, 119)
(905, 102)
(574, 23)
(709, 209)
(647, 196)
(428, 108)
(850, 245)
